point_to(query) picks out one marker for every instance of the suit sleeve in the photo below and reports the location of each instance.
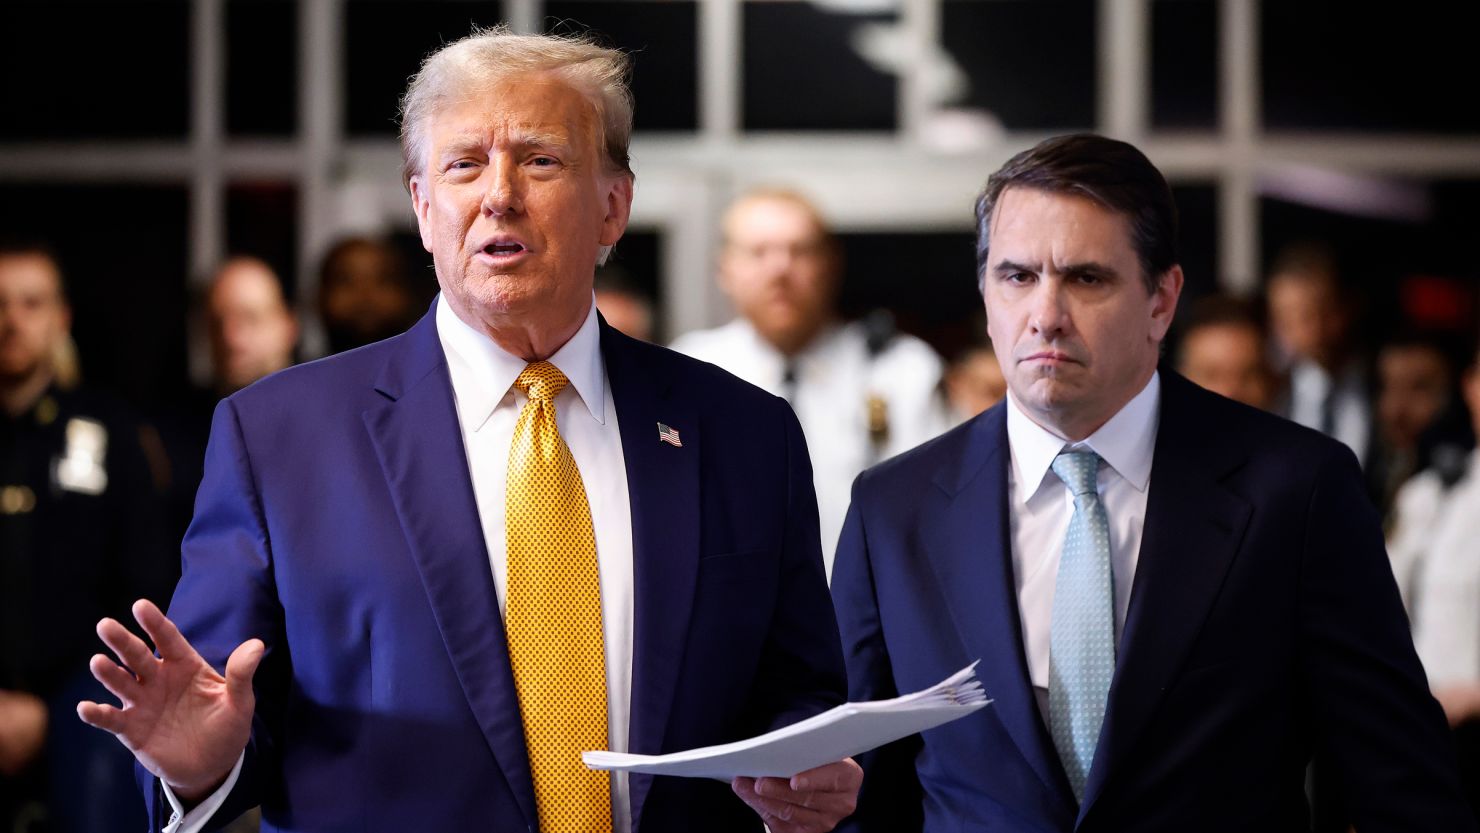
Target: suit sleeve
(889, 801)
(226, 596)
(1376, 724)
(801, 671)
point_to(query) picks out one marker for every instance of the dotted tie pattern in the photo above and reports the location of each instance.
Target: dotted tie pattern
(554, 615)
(1082, 636)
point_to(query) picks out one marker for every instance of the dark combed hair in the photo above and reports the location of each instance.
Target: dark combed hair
(1113, 174)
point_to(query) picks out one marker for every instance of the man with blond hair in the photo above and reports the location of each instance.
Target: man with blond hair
(425, 575)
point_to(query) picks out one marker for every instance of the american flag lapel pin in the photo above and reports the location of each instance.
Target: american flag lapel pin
(669, 434)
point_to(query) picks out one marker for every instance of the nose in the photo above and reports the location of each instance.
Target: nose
(1049, 314)
(503, 193)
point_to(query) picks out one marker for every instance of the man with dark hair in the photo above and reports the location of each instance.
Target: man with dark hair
(365, 293)
(1312, 316)
(1224, 349)
(1175, 600)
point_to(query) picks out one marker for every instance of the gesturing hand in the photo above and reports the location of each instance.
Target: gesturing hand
(809, 802)
(184, 722)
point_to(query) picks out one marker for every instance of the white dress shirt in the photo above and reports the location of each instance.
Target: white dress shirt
(488, 407)
(1351, 410)
(1436, 561)
(834, 378)
(1041, 506)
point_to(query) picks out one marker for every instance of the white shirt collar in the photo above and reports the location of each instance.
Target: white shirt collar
(1125, 442)
(483, 373)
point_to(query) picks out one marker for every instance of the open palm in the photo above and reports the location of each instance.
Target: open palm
(184, 722)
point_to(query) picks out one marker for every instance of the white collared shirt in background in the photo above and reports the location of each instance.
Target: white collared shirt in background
(835, 377)
(1041, 506)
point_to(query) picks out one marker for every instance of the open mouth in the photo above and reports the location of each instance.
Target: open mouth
(502, 249)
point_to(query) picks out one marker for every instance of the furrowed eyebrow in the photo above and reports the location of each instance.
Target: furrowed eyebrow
(1091, 267)
(1007, 267)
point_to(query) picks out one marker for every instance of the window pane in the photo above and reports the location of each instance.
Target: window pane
(262, 221)
(71, 69)
(1030, 62)
(261, 67)
(1184, 63)
(803, 72)
(1328, 65)
(927, 279)
(386, 41)
(1197, 245)
(661, 37)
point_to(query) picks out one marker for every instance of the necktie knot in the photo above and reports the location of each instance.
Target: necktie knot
(541, 381)
(1078, 470)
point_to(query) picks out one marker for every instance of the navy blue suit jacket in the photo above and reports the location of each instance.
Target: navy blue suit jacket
(336, 522)
(1264, 626)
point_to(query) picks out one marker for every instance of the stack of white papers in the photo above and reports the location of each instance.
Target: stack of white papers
(845, 731)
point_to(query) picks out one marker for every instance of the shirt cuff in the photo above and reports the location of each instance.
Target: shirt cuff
(195, 820)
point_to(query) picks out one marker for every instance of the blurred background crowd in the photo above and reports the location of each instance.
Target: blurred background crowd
(197, 193)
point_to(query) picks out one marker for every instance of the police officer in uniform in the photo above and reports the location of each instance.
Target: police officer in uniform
(862, 391)
(80, 537)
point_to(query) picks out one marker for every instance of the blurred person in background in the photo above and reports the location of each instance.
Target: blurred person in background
(253, 331)
(1224, 349)
(80, 537)
(1436, 559)
(365, 293)
(974, 381)
(1313, 324)
(1415, 388)
(862, 391)
(622, 304)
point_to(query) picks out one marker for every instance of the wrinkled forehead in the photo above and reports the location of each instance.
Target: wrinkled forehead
(530, 108)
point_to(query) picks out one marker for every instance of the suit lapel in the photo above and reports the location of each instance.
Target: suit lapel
(663, 490)
(1192, 533)
(969, 551)
(419, 444)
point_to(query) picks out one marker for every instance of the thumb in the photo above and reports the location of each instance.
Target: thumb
(240, 667)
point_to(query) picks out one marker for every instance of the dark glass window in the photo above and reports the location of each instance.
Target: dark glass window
(1184, 64)
(662, 39)
(1197, 243)
(636, 264)
(262, 221)
(386, 41)
(802, 72)
(125, 277)
(1327, 65)
(1030, 62)
(107, 69)
(926, 279)
(261, 67)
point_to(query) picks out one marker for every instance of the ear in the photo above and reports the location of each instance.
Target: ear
(1164, 301)
(618, 209)
(421, 204)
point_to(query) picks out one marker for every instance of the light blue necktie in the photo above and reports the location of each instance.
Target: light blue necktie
(1082, 639)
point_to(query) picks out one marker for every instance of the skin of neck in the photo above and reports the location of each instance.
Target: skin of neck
(533, 341)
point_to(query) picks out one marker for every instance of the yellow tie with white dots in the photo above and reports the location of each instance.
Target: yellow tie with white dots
(554, 615)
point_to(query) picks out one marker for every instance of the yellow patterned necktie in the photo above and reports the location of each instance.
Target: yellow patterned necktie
(554, 615)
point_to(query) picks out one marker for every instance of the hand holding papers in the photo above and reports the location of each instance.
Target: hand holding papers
(842, 732)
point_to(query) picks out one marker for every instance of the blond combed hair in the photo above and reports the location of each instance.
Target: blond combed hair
(488, 56)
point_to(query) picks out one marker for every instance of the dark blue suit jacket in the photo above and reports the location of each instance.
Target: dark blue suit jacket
(1264, 627)
(336, 522)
